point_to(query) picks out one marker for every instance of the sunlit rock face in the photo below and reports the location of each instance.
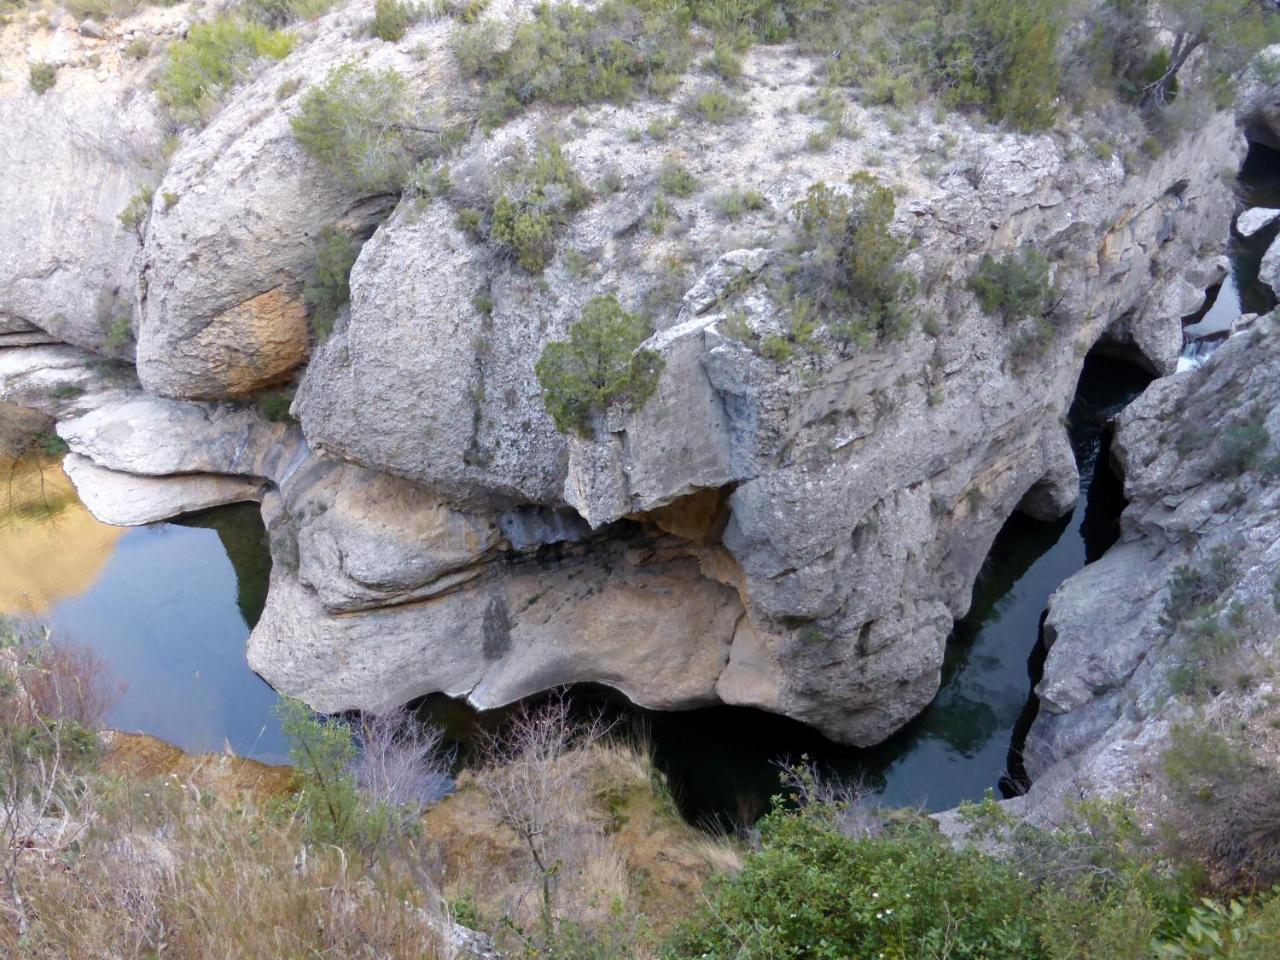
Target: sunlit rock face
(795, 534)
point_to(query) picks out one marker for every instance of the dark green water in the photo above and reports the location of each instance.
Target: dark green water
(722, 762)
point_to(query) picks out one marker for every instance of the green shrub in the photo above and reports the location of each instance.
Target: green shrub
(675, 179)
(573, 54)
(845, 265)
(392, 19)
(138, 48)
(716, 106)
(280, 13)
(329, 286)
(137, 210)
(540, 193)
(735, 203)
(601, 364)
(1016, 287)
(359, 126)
(214, 56)
(811, 892)
(328, 802)
(1241, 445)
(41, 77)
(274, 404)
(1192, 589)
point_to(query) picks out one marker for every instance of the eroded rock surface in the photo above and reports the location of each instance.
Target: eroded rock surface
(1110, 688)
(791, 534)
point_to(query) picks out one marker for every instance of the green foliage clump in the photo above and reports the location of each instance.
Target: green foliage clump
(328, 802)
(329, 286)
(1193, 589)
(280, 13)
(1016, 287)
(214, 56)
(811, 892)
(358, 125)
(1241, 445)
(735, 203)
(41, 77)
(601, 364)
(574, 54)
(392, 19)
(717, 106)
(675, 179)
(845, 265)
(137, 210)
(539, 194)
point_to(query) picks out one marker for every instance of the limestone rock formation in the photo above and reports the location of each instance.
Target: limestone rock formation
(794, 533)
(1198, 454)
(72, 159)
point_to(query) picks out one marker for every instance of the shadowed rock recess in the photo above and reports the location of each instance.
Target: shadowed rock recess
(793, 534)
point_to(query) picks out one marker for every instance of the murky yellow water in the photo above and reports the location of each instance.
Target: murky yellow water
(51, 547)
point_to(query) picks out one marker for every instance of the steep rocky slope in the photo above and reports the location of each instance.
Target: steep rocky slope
(1130, 655)
(793, 534)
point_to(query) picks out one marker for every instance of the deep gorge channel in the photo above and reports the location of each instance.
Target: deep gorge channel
(169, 607)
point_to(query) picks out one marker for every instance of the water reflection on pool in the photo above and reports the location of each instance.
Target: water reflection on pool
(168, 607)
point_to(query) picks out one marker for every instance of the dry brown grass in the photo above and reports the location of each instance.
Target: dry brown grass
(170, 871)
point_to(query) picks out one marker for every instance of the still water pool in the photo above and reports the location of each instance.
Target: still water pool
(167, 607)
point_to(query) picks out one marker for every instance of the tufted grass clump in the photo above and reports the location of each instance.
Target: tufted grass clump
(329, 286)
(717, 106)
(573, 54)
(535, 196)
(358, 124)
(42, 77)
(213, 57)
(601, 364)
(675, 179)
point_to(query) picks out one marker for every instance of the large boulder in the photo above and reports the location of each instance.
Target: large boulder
(229, 251)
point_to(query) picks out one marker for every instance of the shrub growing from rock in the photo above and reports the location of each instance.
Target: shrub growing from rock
(42, 77)
(213, 57)
(574, 54)
(845, 265)
(537, 195)
(601, 364)
(392, 19)
(329, 286)
(359, 126)
(1014, 287)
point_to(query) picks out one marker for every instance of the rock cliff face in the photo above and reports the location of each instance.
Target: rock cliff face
(792, 535)
(1200, 475)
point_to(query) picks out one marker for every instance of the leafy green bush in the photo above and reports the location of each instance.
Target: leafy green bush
(1016, 287)
(214, 56)
(716, 106)
(811, 892)
(359, 126)
(539, 195)
(845, 265)
(279, 13)
(329, 286)
(41, 77)
(574, 54)
(137, 210)
(735, 203)
(392, 19)
(601, 364)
